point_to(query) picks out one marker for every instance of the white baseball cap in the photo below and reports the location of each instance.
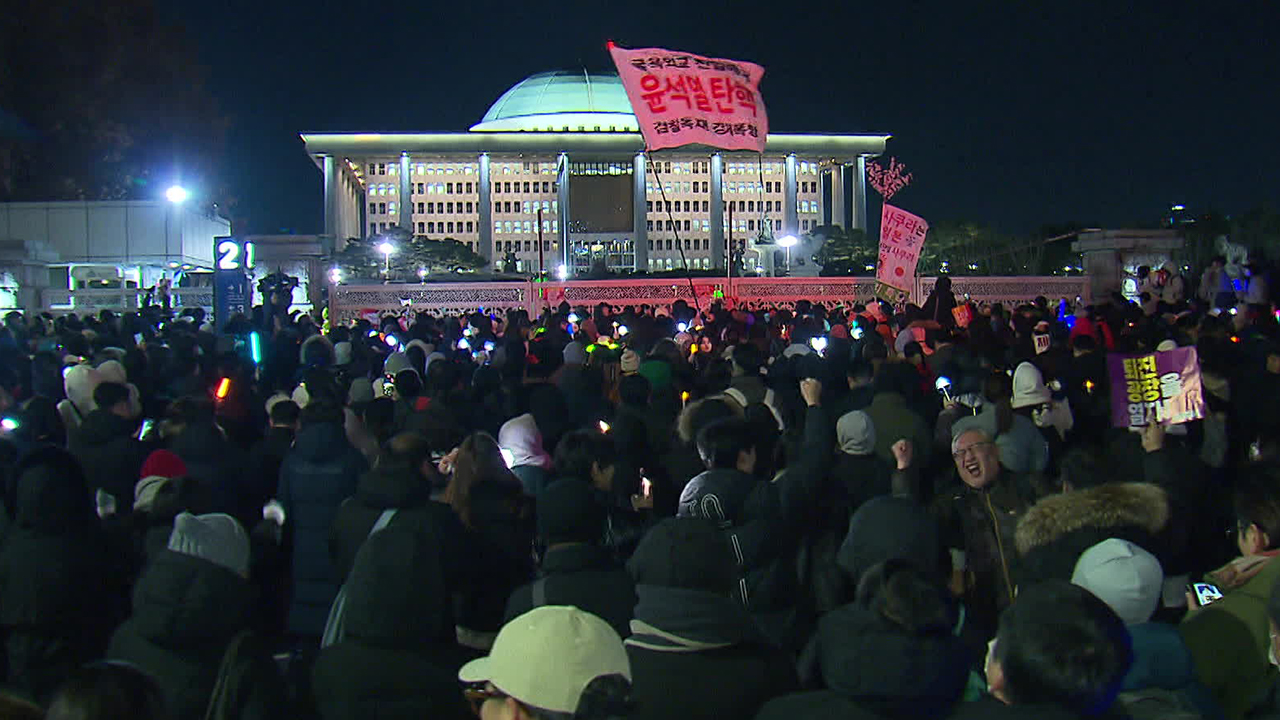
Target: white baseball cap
(546, 657)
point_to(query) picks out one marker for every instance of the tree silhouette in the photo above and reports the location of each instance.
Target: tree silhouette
(104, 100)
(362, 259)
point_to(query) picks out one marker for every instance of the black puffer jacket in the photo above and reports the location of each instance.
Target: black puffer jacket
(761, 519)
(885, 669)
(318, 474)
(186, 612)
(585, 576)
(399, 658)
(403, 489)
(222, 467)
(110, 455)
(57, 599)
(685, 643)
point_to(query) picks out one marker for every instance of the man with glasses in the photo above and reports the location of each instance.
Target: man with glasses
(977, 518)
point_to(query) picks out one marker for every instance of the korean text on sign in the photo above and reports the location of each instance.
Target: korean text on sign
(681, 99)
(901, 238)
(1163, 387)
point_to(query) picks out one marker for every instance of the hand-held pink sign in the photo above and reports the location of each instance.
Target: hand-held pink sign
(682, 99)
(901, 237)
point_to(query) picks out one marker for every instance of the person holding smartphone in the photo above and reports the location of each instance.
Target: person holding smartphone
(1230, 638)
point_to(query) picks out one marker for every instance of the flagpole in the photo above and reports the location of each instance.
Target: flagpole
(675, 228)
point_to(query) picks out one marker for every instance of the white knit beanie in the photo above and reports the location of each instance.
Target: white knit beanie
(215, 537)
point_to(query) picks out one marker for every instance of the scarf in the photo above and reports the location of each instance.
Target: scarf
(1241, 570)
(679, 620)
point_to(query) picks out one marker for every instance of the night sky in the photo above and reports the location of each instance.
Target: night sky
(1017, 117)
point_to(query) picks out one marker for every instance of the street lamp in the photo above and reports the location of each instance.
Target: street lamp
(177, 194)
(386, 249)
(788, 241)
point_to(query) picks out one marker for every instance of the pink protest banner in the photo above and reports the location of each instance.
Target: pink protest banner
(901, 237)
(681, 99)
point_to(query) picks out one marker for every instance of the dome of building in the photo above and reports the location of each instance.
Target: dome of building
(562, 101)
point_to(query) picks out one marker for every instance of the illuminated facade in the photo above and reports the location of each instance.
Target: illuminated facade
(555, 173)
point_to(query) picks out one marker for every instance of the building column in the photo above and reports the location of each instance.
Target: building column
(562, 197)
(859, 194)
(640, 213)
(406, 193)
(839, 215)
(330, 195)
(717, 210)
(790, 219)
(485, 243)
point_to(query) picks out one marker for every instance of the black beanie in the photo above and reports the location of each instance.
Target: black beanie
(568, 512)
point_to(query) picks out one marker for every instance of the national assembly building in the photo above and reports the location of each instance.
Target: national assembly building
(558, 160)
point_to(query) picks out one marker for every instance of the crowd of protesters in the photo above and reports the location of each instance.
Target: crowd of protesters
(851, 510)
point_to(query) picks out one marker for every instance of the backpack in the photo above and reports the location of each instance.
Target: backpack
(770, 401)
(335, 625)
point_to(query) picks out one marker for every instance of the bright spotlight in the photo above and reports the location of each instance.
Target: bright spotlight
(177, 194)
(386, 248)
(562, 272)
(787, 241)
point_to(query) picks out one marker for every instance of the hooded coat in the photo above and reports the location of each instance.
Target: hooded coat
(186, 612)
(57, 602)
(317, 475)
(221, 466)
(582, 575)
(529, 462)
(1054, 532)
(888, 670)
(398, 659)
(405, 490)
(110, 454)
(685, 641)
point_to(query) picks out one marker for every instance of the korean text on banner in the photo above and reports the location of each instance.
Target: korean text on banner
(901, 237)
(682, 99)
(1161, 387)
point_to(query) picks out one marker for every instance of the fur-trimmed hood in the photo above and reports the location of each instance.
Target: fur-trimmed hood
(1112, 505)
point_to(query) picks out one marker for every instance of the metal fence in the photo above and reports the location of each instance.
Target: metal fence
(348, 302)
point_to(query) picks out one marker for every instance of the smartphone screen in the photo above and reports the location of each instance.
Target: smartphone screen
(145, 430)
(1206, 593)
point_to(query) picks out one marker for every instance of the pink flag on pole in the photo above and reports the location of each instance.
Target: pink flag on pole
(901, 238)
(682, 99)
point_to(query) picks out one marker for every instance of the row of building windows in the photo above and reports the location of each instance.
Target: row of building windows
(529, 245)
(393, 168)
(738, 225)
(672, 263)
(424, 208)
(658, 206)
(445, 188)
(547, 168)
(445, 208)
(526, 207)
(527, 226)
(768, 186)
(446, 227)
(529, 187)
